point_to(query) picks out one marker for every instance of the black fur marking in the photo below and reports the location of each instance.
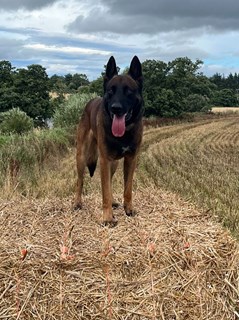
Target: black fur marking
(119, 148)
(91, 168)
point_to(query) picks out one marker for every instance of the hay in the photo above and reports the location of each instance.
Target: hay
(169, 262)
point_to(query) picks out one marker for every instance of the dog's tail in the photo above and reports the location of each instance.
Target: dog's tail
(92, 166)
(92, 156)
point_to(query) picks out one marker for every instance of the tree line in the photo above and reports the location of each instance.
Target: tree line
(170, 89)
(179, 86)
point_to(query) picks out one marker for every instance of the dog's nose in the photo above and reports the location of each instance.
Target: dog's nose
(116, 108)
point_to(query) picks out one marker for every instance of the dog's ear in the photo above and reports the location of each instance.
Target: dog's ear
(111, 70)
(135, 71)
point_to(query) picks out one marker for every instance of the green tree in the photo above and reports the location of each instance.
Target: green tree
(8, 97)
(168, 88)
(229, 82)
(68, 79)
(6, 73)
(68, 83)
(218, 80)
(232, 81)
(97, 86)
(182, 75)
(155, 97)
(78, 80)
(225, 98)
(32, 86)
(196, 103)
(57, 84)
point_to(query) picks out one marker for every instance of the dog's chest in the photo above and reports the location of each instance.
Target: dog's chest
(120, 148)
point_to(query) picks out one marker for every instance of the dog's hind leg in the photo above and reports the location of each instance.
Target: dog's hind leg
(80, 163)
(129, 168)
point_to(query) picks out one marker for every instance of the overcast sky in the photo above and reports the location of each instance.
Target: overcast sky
(78, 36)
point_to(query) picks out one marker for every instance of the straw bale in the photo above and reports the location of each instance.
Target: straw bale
(169, 262)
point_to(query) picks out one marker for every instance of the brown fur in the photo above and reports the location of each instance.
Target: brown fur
(95, 139)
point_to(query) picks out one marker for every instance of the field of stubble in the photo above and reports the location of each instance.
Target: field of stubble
(173, 260)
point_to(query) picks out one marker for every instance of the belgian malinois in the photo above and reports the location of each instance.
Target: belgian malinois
(111, 128)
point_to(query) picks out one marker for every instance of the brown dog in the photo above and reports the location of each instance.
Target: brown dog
(111, 128)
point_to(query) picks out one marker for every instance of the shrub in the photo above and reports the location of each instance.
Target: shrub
(15, 121)
(24, 156)
(225, 98)
(69, 112)
(196, 103)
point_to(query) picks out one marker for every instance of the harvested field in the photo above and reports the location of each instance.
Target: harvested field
(169, 262)
(172, 261)
(225, 109)
(199, 161)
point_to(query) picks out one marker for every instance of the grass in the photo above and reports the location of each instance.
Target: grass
(200, 162)
(23, 158)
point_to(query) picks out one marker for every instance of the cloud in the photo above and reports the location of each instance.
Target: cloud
(59, 52)
(25, 4)
(80, 35)
(65, 49)
(155, 16)
(10, 49)
(173, 8)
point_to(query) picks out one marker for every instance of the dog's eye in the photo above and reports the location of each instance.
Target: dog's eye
(128, 91)
(111, 91)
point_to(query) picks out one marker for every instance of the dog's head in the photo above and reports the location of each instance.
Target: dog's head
(123, 95)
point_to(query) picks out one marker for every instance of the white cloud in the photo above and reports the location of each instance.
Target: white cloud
(49, 19)
(82, 34)
(68, 49)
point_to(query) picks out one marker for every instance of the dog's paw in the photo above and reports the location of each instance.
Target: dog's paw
(130, 213)
(77, 206)
(110, 223)
(115, 205)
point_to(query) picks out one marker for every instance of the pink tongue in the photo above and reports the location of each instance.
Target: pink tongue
(118, 126)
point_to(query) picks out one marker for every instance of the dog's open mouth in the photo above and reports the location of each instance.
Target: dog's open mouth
(118, 125)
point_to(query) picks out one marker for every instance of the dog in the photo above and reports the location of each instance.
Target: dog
(111, 128)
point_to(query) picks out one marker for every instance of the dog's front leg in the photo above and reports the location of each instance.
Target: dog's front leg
(129, 168)
(105, 172)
